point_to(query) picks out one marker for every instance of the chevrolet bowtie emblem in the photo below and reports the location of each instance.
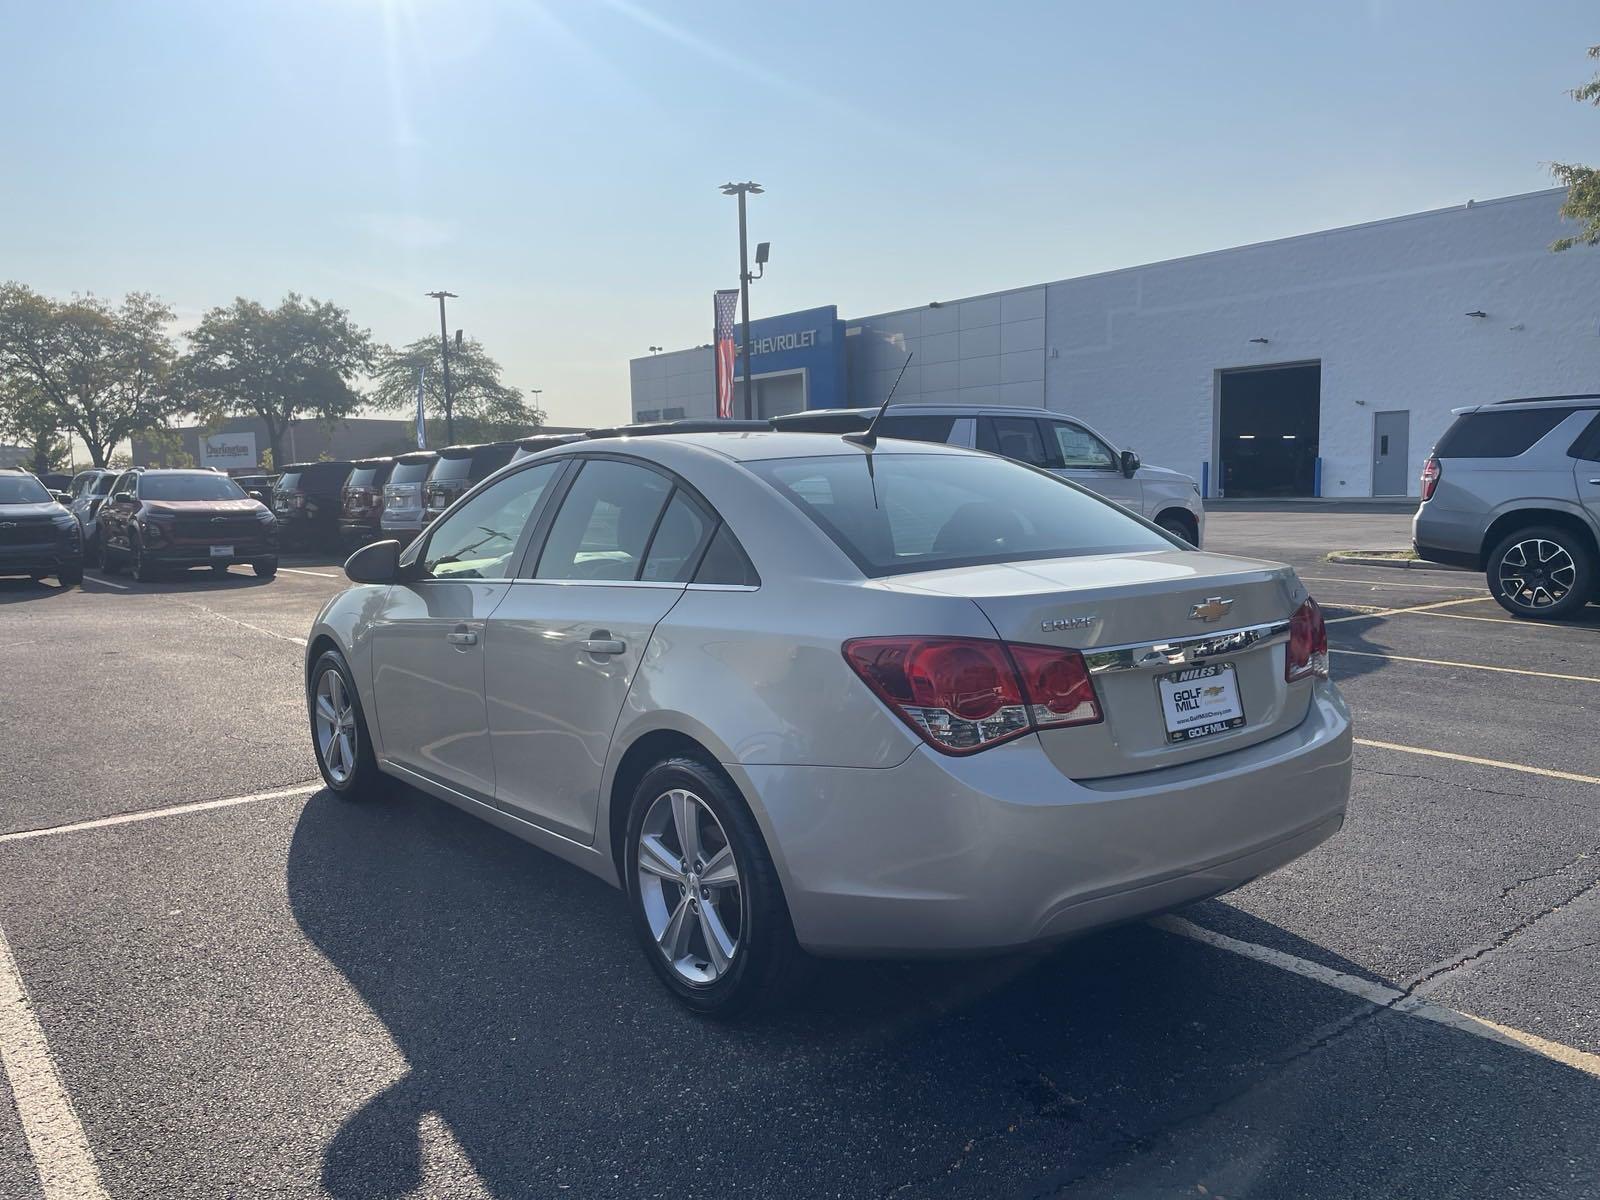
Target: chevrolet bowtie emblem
(1213, 608)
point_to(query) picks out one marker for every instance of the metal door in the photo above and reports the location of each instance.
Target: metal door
(1391, 457)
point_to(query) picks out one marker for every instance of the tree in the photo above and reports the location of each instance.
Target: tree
(484, 408)
(281, 364)
(27, 419)
(102, 371)
(1583, 183)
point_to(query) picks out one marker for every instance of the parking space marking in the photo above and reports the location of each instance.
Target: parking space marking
(1552, 626)
(1444, 662)
(155, 814)
(50, 1124)
(271, 633)
(1382, 995)
(303, 571)
(1421, 587)
(1417, 608)
(1571, 776)
(107, 582)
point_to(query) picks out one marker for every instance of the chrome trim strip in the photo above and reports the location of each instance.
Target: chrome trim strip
(1149, 656)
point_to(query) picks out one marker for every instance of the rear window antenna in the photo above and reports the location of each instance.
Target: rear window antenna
(868, 437)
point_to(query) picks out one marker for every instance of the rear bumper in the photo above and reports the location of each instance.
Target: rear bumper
(947, 855)
(1449, 536)
(369, 531)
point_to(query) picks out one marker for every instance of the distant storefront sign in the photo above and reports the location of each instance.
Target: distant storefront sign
(227, 450)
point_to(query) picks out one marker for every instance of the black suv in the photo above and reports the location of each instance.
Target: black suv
(38, 536)
(160, 519)
(361, 515)
(308, 500)
(458, 468)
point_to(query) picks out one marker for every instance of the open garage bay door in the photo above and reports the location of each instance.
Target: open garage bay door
(1269, 428)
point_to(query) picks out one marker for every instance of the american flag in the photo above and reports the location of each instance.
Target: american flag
(722, 339)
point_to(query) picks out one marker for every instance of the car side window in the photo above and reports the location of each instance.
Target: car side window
(478, 539)
(917, 427)
(678, 541)
(1080, 448)
(1587, 445)
(1014, 437)
(725, 562)
(124, 483)
(603, 528)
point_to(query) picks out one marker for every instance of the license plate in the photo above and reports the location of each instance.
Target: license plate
(1200, 701)
(222, 552)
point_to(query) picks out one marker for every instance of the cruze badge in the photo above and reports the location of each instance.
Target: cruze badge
(1213, 608)
(1060, 623)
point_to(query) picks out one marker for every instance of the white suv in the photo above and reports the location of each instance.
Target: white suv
(1059, 444)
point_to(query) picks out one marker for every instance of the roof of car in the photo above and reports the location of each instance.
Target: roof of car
(175, 470)
(368, 463)
(921, 407)
(753, 445)
(1582, 401)
(412, 457)
(464, 450)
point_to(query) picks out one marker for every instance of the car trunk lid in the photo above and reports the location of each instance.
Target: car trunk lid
(1220, 622)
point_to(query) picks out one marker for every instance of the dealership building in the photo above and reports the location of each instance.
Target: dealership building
(1324, 364)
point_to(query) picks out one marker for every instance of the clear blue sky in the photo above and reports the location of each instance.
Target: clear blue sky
(556, 162)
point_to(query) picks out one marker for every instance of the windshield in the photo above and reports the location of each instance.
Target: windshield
(917, 512)
(452, 468)
(411, 472)
(361, 477)
(189, 487)
(22, 489)
(288, 481)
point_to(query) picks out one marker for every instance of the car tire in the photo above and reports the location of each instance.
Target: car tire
(104, 561)
(1176, 527)
(747, 915)
(69, 576)
(1562, 578)
(265, 568)
(347, 766)
(142, 570)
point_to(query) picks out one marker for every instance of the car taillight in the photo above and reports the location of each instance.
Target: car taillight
(962, 695)
(298, 500)
(1308, 644)
(1430, 477)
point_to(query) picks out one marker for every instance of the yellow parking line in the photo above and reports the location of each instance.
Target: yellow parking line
(1572, 776)
(1445, 662)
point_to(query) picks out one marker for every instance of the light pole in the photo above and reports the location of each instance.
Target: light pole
(656, 349)
(444, 348)
(742, 190)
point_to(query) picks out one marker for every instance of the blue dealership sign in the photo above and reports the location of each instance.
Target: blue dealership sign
(810, 341)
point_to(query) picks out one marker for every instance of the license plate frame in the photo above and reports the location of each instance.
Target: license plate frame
(1214, 715)
(222, 551)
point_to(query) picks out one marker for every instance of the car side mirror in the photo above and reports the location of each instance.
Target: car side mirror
(123, 498)
(1130, 463)
(377, 563)
(261, 497)
(62, 498)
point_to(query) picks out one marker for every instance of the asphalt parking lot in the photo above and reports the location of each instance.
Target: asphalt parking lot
(218, 980)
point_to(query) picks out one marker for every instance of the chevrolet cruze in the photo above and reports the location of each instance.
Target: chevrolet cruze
(797, 693)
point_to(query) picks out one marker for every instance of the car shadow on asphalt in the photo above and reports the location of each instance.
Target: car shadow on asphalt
(535, 1031)
(200, 579)
(22, 590)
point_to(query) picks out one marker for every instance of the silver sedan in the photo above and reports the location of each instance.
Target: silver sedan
(795, 694)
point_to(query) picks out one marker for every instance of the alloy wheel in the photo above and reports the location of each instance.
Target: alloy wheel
(689, 887)
(336, 726)
(1537, 573)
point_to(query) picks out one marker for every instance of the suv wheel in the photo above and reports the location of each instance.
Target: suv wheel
(707, 905)
(339, 729)
(1541, 572)
(104, 560)
(1176, 526)
(141, 569)
(70, 576)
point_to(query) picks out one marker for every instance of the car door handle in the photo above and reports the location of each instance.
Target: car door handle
(462, 637)
(601, 642)
(1594, 481)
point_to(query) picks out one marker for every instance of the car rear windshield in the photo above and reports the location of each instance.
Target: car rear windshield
(915, 512)
(102, 485)
(452, 468)
(189, 487)
(288, 481)
(1498, 434)
(411, 472)
(362, 477)
(22, 489)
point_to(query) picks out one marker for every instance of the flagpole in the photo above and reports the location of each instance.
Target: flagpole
(422, 420)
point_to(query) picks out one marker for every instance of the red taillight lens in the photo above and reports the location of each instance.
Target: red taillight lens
(967, 694)
(1430, 477)
(1308, 644)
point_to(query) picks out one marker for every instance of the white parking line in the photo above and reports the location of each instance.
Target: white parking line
(1572, 776)
(1416, 608)
(1444, 662)
(303, 571)
(153, 814)
(50, 1124)
(1384, 996)
(107, 582)
(1421, 587)
(271, 633)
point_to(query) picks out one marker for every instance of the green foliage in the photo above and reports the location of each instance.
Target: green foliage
(299, 360)
(166, 448)
(1582, 183)
(485, 409)
(98, 370)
